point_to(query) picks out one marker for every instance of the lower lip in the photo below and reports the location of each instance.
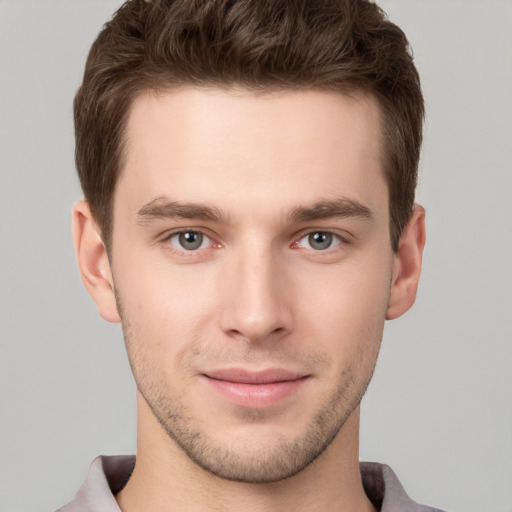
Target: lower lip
(255, 395)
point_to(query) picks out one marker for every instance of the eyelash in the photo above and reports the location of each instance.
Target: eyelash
(336, 240)
(205, 239)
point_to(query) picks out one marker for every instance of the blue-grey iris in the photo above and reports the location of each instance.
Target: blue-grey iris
(190, 240)
(320, 240)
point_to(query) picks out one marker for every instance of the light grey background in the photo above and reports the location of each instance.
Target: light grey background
(439, 410)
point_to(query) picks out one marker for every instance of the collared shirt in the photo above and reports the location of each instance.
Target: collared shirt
(108, 475)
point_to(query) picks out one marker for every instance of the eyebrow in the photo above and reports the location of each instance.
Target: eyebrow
(162, 208)
(341, 207)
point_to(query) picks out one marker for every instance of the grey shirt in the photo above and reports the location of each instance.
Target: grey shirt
(108, 475)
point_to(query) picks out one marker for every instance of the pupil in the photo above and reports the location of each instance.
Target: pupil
(320, 240)
(191, 240)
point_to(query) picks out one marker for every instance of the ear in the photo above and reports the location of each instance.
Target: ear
(93, 263)
(407, 265)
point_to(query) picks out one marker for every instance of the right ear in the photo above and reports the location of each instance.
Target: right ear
(93, 263)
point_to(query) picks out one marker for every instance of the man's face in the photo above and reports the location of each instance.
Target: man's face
(252, 266)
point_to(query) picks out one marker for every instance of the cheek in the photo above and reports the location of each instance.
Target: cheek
(165, 303)
(347, 304)
(175, 308)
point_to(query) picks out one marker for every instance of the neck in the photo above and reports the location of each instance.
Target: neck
(165, 479)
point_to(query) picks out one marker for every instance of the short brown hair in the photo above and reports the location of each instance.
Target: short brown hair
(340, 45)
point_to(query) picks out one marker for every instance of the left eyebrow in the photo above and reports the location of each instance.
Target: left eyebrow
(341, 207)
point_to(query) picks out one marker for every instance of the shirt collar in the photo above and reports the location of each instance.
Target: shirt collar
(109, 474)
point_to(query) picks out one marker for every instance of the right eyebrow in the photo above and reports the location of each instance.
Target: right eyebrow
(163, 208)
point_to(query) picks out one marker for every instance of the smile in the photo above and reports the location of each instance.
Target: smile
(254, 389)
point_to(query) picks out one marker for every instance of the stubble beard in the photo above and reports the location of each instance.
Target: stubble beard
(248, 463)
(245, 462)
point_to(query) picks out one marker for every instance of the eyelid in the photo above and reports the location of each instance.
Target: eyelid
(175, 237)
(343, 239)
(166, 239)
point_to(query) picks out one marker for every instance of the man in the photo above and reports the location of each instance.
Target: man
(249, 170)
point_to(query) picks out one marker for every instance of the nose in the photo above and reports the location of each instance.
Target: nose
(256, 303)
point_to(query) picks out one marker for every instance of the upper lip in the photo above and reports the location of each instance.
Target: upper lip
(245, 376)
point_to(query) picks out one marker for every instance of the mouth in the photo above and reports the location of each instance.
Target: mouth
(254, 389)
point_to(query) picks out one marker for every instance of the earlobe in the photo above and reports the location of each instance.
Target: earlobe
(407, 265)
(93, 262)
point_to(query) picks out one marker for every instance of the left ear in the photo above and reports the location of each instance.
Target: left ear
(407, 265)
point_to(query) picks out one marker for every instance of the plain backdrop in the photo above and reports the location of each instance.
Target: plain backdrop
(439, 409)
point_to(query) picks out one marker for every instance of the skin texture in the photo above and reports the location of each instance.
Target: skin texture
(287, 269)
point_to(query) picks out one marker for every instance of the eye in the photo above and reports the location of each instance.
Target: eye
(189, 240)
(319, 240)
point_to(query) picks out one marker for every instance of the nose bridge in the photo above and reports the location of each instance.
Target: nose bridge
(256, 304)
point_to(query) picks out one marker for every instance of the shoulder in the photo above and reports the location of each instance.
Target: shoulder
(385, 490)
(107, 476)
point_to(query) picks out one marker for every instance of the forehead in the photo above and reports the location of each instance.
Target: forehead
(214, 145)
